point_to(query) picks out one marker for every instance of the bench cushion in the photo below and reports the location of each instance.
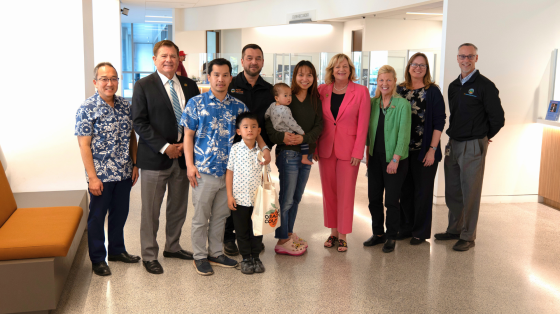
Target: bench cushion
(7, 203)
(39, 232)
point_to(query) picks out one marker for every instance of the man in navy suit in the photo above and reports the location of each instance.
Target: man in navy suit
(157, 104)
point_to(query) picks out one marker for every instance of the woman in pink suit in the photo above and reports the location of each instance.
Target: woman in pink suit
(340, 148)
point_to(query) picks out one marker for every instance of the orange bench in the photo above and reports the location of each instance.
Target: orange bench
(37, 246)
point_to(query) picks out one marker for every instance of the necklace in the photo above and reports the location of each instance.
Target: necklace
(383, 106)
(338, 90)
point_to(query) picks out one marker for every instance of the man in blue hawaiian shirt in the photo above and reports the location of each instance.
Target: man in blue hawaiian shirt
(108, 148)
(209, 120)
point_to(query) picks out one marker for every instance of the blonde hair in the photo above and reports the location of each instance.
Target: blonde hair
(329, 77)
(384, 70)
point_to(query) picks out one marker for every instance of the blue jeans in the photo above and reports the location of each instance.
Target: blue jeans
(293, 178)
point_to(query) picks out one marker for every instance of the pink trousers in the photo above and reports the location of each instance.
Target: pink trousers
(338, 179)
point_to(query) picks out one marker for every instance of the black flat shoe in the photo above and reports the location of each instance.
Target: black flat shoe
(402, 236)
(389, 246)
(374, 240)
(416, 241)
(124, 257)
(230, 248)
(101, 269)
(182, 254)
(259, 267)
(153, 267)
(447, 236)
(247, 266)
(463, 245)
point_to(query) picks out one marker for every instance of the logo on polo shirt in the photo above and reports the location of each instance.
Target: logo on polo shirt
(471, 91)
(236, 91)
(233, 90)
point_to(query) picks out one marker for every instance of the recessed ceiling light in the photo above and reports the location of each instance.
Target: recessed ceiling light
(165, 17)
(422, 13)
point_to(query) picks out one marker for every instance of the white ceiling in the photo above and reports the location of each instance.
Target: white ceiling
(179, 4)
(400, 14)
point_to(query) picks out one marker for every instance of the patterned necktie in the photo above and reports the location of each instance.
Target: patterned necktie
(176, 106)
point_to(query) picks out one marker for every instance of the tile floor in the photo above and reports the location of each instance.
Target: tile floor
(514, 268)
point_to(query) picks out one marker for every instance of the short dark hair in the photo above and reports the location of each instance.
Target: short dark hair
(277, 86)
(246, 115)
(251, 46)
(102, 64)
(166, 43)
(469, 45)
(218, 61)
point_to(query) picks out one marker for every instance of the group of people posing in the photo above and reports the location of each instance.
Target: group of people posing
(217, 144)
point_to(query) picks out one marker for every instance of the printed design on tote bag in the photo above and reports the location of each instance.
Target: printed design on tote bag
(271, 216)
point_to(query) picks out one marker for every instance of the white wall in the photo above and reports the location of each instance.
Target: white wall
(37, 120)
(231, 41)
(298, 38)
(514, 52)
(275, 12)
(393, 34)
(191, 42)
(107, 34)
(347, 34)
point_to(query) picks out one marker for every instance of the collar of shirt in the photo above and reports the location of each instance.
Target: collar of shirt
(225, 101)
(243, 79)
(466, 79)
(255, 148)
(164, 79)
(117, 100)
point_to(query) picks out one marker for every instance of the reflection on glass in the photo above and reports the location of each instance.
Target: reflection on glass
(126, 35)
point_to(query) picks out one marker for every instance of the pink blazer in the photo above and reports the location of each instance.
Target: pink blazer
(349, 131)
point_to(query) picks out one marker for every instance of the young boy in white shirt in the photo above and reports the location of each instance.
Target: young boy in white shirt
(243, 177)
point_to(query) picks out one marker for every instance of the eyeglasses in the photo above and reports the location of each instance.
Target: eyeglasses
(113, 80)
(462, 57)
(415, 65)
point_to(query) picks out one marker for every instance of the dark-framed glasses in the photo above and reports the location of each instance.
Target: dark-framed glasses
(462, 57)
(421, 65)
(113, 80)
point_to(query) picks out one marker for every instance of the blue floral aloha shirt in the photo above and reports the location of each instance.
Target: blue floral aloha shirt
(110, 130)
(214, 124)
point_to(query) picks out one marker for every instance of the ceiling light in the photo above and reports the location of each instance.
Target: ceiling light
(165, 17)
(422, 13)
(162, 22)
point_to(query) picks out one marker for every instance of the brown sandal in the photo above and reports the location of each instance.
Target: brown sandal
(342, 244)
(331, 240)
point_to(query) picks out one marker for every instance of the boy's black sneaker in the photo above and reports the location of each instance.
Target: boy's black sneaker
(222, 261)
(259, 267)
(203, 267)
(247, 266)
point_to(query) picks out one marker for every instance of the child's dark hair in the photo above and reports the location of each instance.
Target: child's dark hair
(277, 86)
(246, 115)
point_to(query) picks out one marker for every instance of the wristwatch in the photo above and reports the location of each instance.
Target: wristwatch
(395, 160)
(133, 165)
(433, 147)
(265, 147)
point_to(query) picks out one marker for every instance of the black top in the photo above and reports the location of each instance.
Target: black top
(155, 122)
(257, 98)
(476, 109)
(379, 144)
(417, 100)
(336, 101)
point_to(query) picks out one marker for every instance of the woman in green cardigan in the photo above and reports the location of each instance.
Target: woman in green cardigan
(387, 146)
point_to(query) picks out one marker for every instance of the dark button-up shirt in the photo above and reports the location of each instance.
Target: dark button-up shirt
(257, 98)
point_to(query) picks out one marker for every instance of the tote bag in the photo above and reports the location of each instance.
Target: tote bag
(266, 211)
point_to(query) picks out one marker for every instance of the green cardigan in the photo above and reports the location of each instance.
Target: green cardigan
(397, 127)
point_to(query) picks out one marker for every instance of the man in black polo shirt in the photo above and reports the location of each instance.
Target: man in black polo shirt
(249, 87)
(476, 117)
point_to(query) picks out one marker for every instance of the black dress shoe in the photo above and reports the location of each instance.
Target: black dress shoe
(463, 245)
(230, 248)
(389, 246)
(447, 236)
(402, 236)
(124, 257)
(101, 269)
(374, 240)
(182, 254)
(153, 267)
(416, 241)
